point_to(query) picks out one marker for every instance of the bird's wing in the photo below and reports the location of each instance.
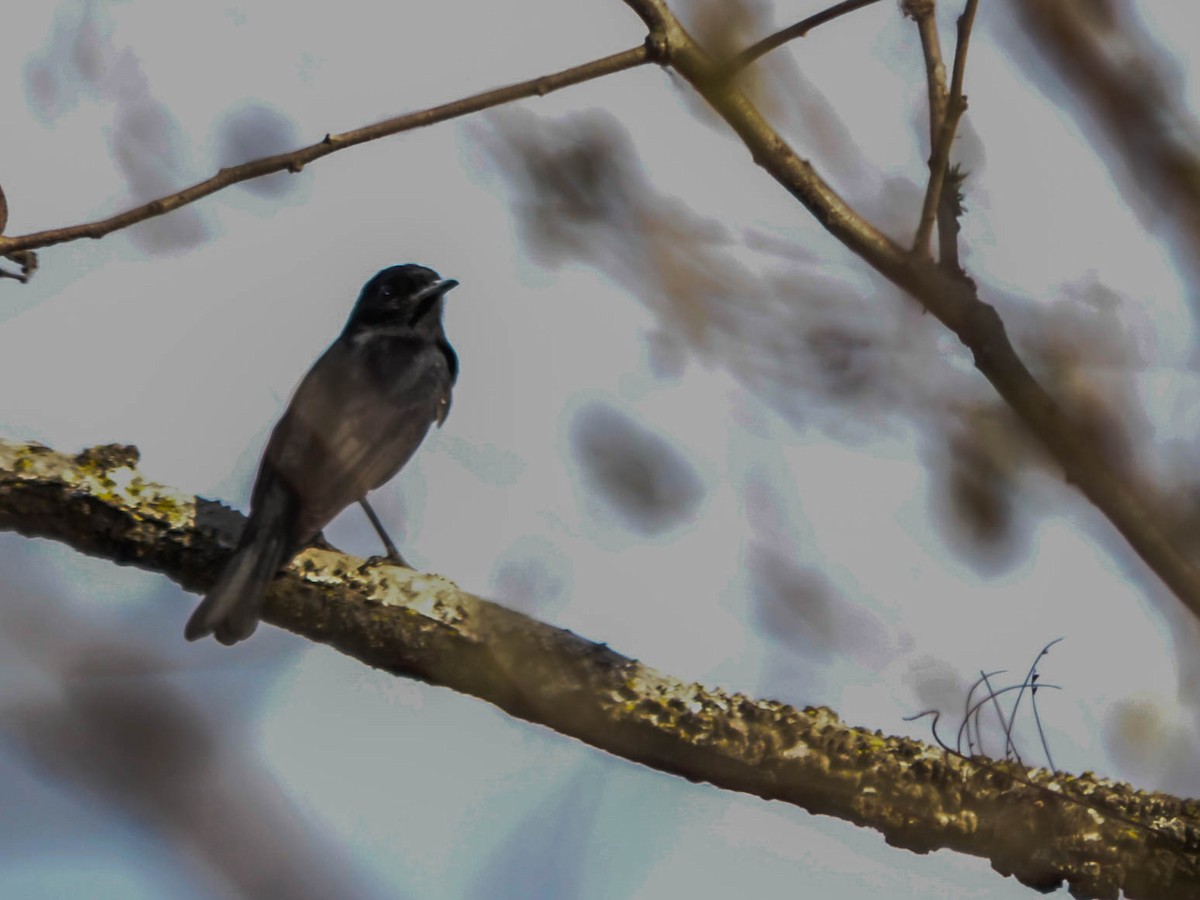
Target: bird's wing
(351, 426)
(443, 407)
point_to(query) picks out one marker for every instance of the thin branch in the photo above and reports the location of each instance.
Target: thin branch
(298, 159)
(924, 13)
(800, 29)
(966, 720)
(1037, 718)
(424, 626)
(1131, 506)
(1031, 678)
(965, 23)
(993, 696)
(939, 162)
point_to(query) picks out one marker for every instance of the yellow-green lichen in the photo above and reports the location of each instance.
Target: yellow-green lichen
(385, 584)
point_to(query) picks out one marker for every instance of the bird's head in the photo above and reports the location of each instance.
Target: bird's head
(401, 296)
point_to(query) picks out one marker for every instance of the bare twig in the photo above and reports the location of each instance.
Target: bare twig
(800, 29)
(1037, 718)
(298, 159)
(965, 23)
(1030, 683)
(923, 12)
(966, 722)
(994, 696)
(956, 105)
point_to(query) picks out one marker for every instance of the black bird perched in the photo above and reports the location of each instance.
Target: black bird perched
(357, 417)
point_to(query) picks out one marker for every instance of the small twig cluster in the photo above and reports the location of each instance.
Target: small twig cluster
(968, 742)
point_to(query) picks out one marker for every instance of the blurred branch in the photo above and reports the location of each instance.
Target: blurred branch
(118, 730)
(1120, 78)
(951, 297)
(423, 626)
(296, 160)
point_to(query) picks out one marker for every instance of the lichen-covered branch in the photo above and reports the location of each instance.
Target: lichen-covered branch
(424, 626)
(947, 294)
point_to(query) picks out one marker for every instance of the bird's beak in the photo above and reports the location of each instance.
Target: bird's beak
(428, 296)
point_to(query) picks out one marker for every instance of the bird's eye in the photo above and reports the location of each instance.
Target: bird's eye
(385, 290)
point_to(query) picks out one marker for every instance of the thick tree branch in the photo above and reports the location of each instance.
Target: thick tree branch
(423, 626)
(949, 296)
(298, 159)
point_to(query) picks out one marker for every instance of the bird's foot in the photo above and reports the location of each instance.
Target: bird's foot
(387, 560)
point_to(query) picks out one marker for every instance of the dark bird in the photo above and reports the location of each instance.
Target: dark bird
(357, 417)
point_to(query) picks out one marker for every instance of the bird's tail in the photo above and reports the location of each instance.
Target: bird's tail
(231, 609)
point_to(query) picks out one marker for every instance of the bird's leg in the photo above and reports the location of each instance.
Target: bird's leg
(392, 553)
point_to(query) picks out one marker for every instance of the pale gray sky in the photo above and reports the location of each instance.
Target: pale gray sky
(191, 354)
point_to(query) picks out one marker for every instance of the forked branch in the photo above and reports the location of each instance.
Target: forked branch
(947, 294)
(947, 119)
